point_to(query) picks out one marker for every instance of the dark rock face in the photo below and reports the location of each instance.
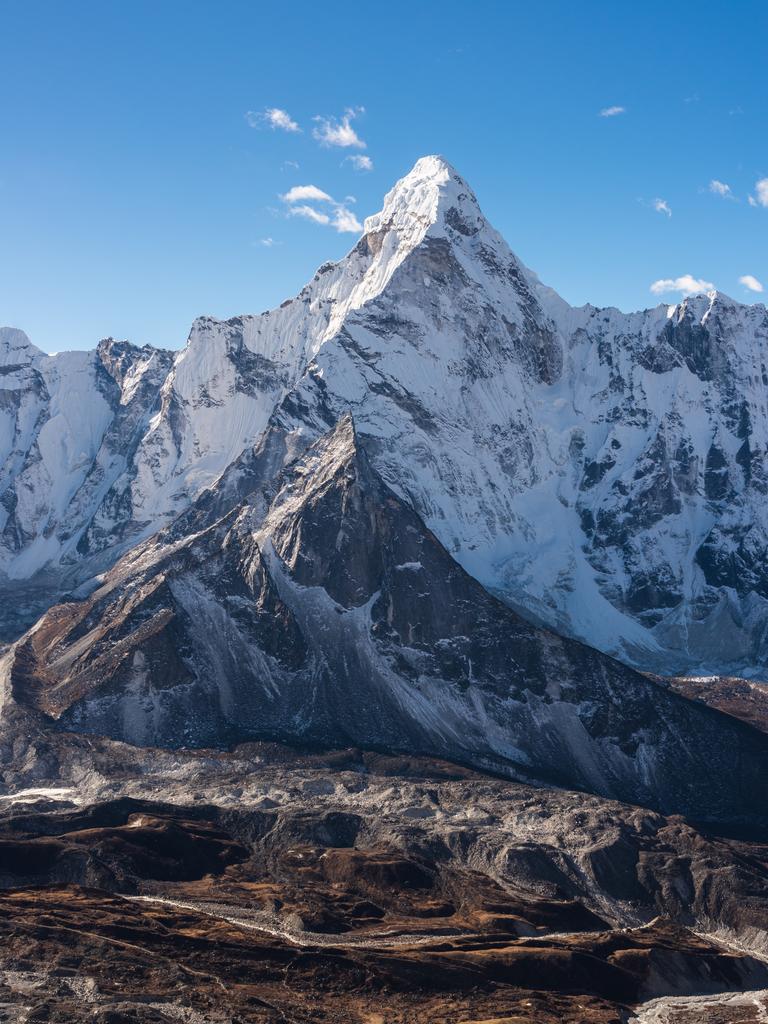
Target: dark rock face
(327, 611)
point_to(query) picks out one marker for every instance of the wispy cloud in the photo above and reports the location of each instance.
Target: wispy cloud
(760, 198)
(344, 220)
(309, 213)
(331, 131)
(751, 283)
(272, 117)
(360, 162)
(685, 285)
(719, 188)
(302, 193)
(289, 165)
(299, 199)
(662, 206)
(267, 242)
(612, 111)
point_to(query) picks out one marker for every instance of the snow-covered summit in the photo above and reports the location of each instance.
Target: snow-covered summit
(15, 347)
(423, 198)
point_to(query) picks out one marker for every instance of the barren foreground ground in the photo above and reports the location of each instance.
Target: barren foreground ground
(270, 886)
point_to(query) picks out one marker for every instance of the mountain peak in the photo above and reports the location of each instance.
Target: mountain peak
(701, 305)
(327, 459)
(432, 166)
(425, 197)
(15, 346)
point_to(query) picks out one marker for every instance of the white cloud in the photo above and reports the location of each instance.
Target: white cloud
(662, 206)
(612, 111)
(344, 220)
(309, 213)
(267, 242)
(302, 193)
(760, 198)
(360, 162)
(751, 283)
(337, 215)
(686, 285)
(273, 118)
(719, 188)
(331, 131)
(290, 165)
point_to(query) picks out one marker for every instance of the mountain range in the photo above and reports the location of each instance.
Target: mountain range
(602, 473)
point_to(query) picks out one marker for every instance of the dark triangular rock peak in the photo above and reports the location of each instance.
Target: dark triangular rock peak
(328, 520)
(324, 463)
(255, 477)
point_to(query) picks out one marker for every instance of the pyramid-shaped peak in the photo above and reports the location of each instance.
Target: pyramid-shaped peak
(435, 177)
(330, 453)
(434, 167)
(424, 196)
(327, 462)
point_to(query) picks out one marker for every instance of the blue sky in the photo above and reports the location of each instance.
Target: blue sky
(136, 191)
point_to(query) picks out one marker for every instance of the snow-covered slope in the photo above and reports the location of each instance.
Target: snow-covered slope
(604, 472)
(69, 425)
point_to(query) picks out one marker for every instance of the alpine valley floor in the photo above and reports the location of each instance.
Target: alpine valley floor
(269, 885)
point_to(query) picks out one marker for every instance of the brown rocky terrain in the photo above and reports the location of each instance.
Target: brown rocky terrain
(746, 699)
(270, 885)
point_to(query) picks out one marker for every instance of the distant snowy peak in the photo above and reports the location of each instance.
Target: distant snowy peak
(433, 201)
(15, 347)
(68, 425)
(232, 374)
